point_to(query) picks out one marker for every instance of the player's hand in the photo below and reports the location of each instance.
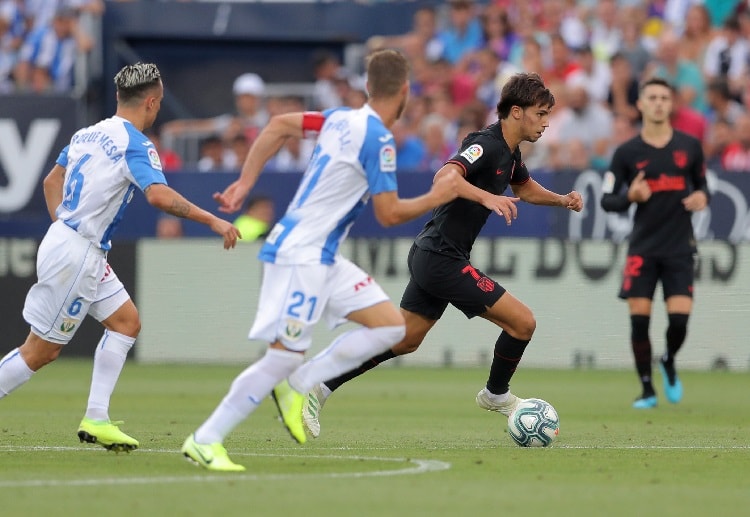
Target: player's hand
(695, 201)
(504, 206)
(226, 230)
(573, 201)
(232, 198)
(639, 191)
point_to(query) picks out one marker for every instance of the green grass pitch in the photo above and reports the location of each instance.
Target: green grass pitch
(397, 441)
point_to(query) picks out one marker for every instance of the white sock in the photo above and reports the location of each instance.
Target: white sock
(109, 359)
(247, 392)
(347, 351)
(13, 372)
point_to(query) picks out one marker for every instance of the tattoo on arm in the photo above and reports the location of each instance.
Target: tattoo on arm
(179, 209)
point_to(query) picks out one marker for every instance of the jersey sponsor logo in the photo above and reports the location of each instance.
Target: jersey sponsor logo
(640, 165)
(362, 284)
(472, 153)
(680, 158)
(153, 158)
(666, 183)
(68, 324)
(388, 158)
(608, 182)
(293, 329)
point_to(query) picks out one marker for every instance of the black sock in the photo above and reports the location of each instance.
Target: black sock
(508, 353)
(371, 363)
(676, 333)
(641, 345)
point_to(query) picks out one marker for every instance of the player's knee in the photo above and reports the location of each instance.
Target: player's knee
(410, 343)
(524, 326)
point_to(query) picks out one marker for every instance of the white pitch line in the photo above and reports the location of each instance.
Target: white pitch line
(419, 467)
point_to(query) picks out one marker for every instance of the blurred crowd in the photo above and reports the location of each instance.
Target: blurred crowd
(591, 53)
(40, 41)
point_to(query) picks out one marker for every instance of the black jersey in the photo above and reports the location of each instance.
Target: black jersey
(662, 226)
(488, 164)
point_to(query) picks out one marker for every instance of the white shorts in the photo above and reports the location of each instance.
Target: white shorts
(73, 279)
(294, 298)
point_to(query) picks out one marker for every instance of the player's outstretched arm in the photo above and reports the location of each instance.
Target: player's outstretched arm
(532, 192)
(391, 210)
(172, 202)
(268, 143)
(53, 189)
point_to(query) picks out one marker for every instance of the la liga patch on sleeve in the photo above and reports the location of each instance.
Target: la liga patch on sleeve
(472, 153)
(388, 158)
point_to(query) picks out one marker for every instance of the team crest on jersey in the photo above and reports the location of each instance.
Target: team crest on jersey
(293, 329)
(153, 158)
(68, 324)
(608, 182)
(388, 158)
(680, 158)
(486, 285)
(473, 153)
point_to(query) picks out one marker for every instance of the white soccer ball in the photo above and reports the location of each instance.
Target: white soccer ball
(534, 423)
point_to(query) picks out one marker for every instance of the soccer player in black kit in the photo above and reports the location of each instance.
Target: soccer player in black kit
(439, 264)
(663, 171)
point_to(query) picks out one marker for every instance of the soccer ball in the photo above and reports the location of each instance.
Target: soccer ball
(534, 423)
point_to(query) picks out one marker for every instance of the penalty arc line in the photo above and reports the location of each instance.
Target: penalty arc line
(418, 466)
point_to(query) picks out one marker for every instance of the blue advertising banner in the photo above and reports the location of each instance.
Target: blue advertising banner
(727, 218)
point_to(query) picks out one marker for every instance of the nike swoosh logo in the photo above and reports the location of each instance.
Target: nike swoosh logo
(385, 138)
(641, 165)
(206, 460)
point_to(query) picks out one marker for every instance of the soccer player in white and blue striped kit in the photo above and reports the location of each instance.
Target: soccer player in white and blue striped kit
(305, 278)
(86, 192)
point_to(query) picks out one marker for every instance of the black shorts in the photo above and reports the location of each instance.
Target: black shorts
(437, 280)
(641, 274)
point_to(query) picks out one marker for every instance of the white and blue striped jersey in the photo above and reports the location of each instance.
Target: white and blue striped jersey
(354, 158)
(103, 165)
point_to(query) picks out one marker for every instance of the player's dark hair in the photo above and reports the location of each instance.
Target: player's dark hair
(524, 90)
(133, 81)
(387, 71)
(658, 81)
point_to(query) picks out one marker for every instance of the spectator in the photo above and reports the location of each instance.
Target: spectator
(419, 43)
(697, 35)
(498, 34)
(214, 157)
(326, 68)
(293, 156)
(632, 47)
(726, 56)
(721, 103)
(437, 150)
(463, 33)
(256, 219)
(623, 90)
(249, 117)
(606, 35)
(596, 74)
(410, 149)
(47, 58)
(688, 120)
(736, 157)
(562, 65)
(684, 75)
(720, 135)
(584, 131)
(12, 31)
